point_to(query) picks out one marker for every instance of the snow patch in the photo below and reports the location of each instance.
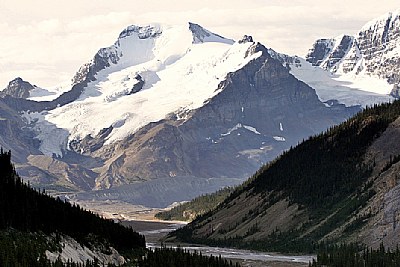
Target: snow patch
(281, 127)
(238, 126)
(251, 129)
(279, 138)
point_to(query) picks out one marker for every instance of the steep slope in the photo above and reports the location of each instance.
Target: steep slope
(43, 222)
(371, 56)
(338, 186)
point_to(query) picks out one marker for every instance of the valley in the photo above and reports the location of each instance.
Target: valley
(270, 159)
(154, 231)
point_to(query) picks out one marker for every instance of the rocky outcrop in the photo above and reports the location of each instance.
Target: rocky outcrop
(319, 51)
(17, 88)
(137, 86)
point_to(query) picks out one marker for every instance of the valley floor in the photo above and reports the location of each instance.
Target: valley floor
(155, 230)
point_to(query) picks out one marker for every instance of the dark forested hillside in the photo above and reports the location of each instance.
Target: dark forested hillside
(24, 210)
(353, 255)
(310, 193)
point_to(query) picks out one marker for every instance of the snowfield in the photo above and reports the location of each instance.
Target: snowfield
(348, 89)
(179, 71)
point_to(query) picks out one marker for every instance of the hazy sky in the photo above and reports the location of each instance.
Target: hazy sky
(46, 41)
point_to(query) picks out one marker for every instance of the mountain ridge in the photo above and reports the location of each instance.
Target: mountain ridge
(334, 187)
(165, 102)
(373, 51)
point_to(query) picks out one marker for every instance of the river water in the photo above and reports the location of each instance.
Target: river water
(156, 230)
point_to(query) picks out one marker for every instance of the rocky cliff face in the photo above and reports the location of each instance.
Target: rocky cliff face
(373, 51)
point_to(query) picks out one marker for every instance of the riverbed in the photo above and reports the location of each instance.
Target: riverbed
(154, 230)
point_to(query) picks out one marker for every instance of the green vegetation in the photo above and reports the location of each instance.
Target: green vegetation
(353, 256)
(198, 206)
(326, 175)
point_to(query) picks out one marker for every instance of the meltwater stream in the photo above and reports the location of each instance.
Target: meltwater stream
(230, 253)
(154, 230)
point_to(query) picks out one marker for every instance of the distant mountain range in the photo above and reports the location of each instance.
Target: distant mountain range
(181, 102)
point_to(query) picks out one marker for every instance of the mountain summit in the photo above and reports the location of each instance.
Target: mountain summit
(178, 103)
(17, 88)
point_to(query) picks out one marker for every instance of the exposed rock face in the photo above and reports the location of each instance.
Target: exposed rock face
(138, 86)
(384, 208)
(15, 136)
(261, 110)
(373, 51)
(321, 48)
(17, 88)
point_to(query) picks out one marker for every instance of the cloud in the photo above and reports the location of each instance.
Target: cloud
(47, 43)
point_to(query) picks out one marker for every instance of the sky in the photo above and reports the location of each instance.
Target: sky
(46, 41)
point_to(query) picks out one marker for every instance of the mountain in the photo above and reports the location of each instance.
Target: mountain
(339, 186)
(371, 56)
(168, 102)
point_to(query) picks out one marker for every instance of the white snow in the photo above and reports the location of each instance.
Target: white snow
(234, 128)
(360, 77)
(251, 129)
(41, 94)
(53, 139)
(347, 89)
(238, 126)
(178, 76)
(279, 138)
(381, 20)
(281, 127)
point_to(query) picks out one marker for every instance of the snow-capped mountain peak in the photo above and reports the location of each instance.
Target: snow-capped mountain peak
(149, 73)
(372, 54)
